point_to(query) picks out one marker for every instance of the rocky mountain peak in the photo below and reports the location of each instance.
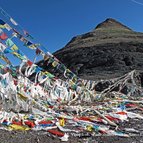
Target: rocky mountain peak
(111, 23)
(110, 50)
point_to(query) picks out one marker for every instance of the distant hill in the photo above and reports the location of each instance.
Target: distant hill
(111, 49)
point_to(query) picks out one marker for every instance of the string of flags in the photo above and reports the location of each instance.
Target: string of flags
(35, 99)
(47, 56)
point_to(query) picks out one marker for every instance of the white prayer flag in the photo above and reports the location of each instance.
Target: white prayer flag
(7, 27)
(13, 21)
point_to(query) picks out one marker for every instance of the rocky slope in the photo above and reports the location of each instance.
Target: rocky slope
(110, 50)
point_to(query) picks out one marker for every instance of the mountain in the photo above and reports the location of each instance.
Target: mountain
(110, 50)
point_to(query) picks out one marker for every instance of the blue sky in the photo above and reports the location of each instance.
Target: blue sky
(55, 22)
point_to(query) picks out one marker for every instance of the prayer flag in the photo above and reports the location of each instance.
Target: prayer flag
(2, 24)
(3, 36)
(27, 34)
(38, 51)
(23, 40)
(38, 69)
(14, 47)
(1, 31)
(7, 50)
(7, 27)
(9, 42)
(34, 46)
(29, 63)
(20, 52)
(13, 21)
(2, 47)
(28, 43)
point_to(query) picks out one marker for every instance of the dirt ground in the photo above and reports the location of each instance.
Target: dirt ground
(42, 137)
(45, 137)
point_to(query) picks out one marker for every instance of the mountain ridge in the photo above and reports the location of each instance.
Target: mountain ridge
(105, 33)
(111, 49)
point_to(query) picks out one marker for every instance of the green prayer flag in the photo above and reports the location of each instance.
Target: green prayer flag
(9, 42)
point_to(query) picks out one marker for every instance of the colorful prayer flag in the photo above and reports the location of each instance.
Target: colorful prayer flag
(8, 50)
(1, 31)
(13, 21)
(20, 52)
(14, 34)
(7, 27)
(28, 43)
(2, 47)
(3, 36)
(14, 47)
(23, 39)
(2, 24)
(55, 63)
(6, 60)
(34, 46)
(27, 34)
(9, 42)
(38, 51)
(29, 63)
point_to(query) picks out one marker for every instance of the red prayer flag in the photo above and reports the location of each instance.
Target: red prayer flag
(57, 133)
(38, 51)
(17, 123)
(45, 122)
(29, 63)
(3, 36)
(30, 124)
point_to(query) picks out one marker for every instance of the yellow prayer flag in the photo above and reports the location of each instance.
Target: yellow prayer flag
(18, 127)
(34, 46)
(14, 47)
(55, 63)
(62, 122)
(89, 128)
(16, 55)
(2, 26)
